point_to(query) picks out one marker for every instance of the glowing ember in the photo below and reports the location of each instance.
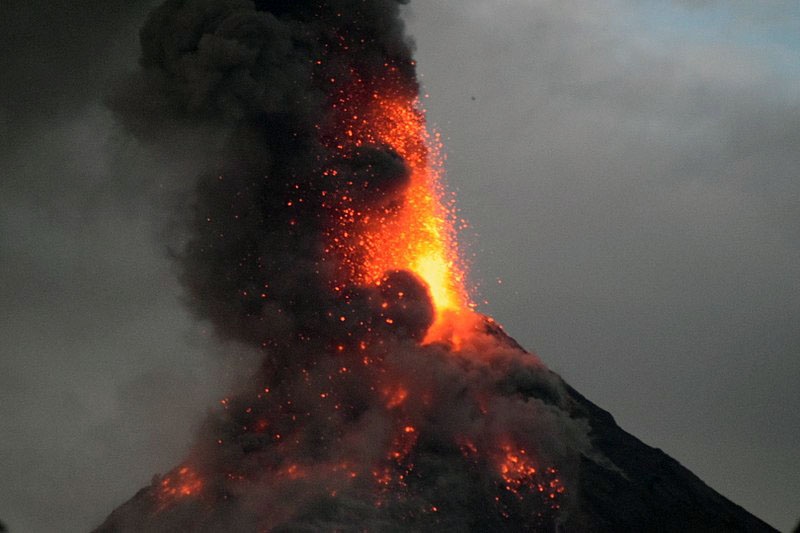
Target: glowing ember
(395, 397)
(523, 479)
(392, 475)
(182, 483)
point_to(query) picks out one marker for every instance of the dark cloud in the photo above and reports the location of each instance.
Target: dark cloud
(91, 298)
(61, 54)
(268, 74)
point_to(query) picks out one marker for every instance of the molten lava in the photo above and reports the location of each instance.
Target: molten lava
(412, 229)
(183, 482)
(520, 476)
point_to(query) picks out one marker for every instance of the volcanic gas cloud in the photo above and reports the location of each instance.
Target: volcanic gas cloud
(323, 238)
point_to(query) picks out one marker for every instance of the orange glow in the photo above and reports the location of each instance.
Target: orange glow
(394, 475)
(412, 230)
(419, 238)
(182, 483)
(520, 476)
(294, 472)
(395, 397)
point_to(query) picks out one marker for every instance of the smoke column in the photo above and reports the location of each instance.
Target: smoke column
(321, 237)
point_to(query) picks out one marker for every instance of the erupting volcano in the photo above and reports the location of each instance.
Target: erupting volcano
(323, 237)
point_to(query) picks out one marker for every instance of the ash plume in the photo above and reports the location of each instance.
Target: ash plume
(263, 75)
(352, 422)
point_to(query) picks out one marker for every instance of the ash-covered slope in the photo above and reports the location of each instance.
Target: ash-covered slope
(620, 484)
(646, 489)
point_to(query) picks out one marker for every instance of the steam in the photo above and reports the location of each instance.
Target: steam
(351, 422)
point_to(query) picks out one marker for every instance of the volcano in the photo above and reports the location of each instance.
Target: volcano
(618, 484)
(322, 238)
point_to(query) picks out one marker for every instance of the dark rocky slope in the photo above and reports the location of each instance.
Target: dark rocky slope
(648, 490)
(627, 487)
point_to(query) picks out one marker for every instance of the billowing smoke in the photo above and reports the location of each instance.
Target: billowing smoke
(267, 74)
(354, 420)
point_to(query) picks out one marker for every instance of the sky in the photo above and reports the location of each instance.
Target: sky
(629, 170)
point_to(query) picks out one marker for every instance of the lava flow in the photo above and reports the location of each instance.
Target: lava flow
(322, 239)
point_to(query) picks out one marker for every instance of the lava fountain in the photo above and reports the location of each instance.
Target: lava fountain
(416, 232)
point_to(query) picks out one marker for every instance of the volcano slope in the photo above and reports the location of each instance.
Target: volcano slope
(615, 483)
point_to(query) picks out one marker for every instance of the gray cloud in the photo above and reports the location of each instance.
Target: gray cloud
(95, 344)
(637, 196)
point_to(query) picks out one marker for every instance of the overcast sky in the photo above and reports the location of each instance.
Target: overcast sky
(630, 170)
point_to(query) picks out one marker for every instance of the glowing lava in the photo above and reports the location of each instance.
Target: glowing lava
(520, 475)
(413, 229)
(184, 482)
